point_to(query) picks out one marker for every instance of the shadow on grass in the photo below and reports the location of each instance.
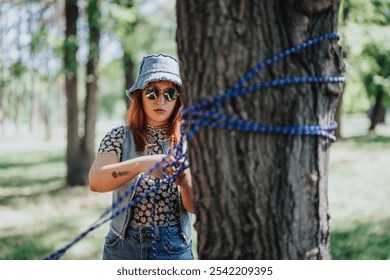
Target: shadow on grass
(32, 194)
(33, 161)
(366, 139)
(365, 241)
(18, 182)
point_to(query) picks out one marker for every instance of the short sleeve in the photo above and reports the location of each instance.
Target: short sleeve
(113, 141)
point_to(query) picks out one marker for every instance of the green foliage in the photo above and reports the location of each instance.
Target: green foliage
(156, 28)
(141, 27)
(111, 91)
(121, 22)
(125, 16)
(38, 40)
(70, 50)
(375, 12)
(94, 25)
(377, 76)
(18, 69)
(367, 49)
(144, 28)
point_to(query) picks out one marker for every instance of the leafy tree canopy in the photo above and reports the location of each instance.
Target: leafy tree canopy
(365, 30)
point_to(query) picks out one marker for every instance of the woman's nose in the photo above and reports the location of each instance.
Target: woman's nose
(161, 99)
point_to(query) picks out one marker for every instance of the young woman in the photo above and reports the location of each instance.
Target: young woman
(159, 225)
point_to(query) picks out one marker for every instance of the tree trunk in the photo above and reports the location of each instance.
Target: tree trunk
(260, 196)
(34, 98)
(378, 112)
(128, 65)
(45, 113)
(3, 106)
(33, 104)
(81, 151)
(88, 141)
(74, 172)
(128, 61)
(17, 105)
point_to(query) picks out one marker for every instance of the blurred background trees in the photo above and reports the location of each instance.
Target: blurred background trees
(33, 74)
(364, 26)
(66, 63)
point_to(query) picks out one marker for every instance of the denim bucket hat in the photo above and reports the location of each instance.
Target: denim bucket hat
(156, 67)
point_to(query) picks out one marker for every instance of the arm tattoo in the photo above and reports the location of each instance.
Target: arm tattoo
(119, 174)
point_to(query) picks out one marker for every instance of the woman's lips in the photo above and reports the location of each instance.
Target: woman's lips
(159, 111)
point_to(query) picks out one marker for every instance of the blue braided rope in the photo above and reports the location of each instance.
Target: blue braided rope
(169, 217)
(154, 250)
(230, 123)
(259, 67)
(213, 119)
(247, 126)
(281, 55)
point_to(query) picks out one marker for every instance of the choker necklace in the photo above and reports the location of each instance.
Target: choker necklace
(155, 133)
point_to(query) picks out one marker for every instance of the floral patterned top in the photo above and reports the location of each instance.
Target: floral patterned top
(166, 203)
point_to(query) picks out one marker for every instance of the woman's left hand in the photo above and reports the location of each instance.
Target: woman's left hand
(184, 179)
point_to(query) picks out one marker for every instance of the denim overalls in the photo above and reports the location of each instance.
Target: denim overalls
(124, 241)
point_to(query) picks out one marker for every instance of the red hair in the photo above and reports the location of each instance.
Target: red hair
(136, 120)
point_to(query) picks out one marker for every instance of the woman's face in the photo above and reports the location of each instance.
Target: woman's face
(159, 110)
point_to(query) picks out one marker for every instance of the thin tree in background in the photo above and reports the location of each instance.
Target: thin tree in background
(88, 141)
(74, 172)
(128, 49)
(260, 196)
(80, 150)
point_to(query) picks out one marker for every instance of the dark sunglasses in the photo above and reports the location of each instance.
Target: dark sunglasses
(170, 94)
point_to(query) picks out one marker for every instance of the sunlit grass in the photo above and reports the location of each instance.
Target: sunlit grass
(49, 222)
(359, 184)
(38, 213)
(359, 193)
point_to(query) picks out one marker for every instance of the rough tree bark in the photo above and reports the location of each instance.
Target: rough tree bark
(260, 196)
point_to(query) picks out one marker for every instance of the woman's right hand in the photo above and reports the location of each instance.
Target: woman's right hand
(152, 161)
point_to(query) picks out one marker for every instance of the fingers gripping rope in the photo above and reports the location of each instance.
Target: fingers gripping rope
(196, 117)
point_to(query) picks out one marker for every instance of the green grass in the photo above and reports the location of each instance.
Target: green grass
(21, 247)
(359, 193)
(363, 241)
(33, 227)
(39, 214)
